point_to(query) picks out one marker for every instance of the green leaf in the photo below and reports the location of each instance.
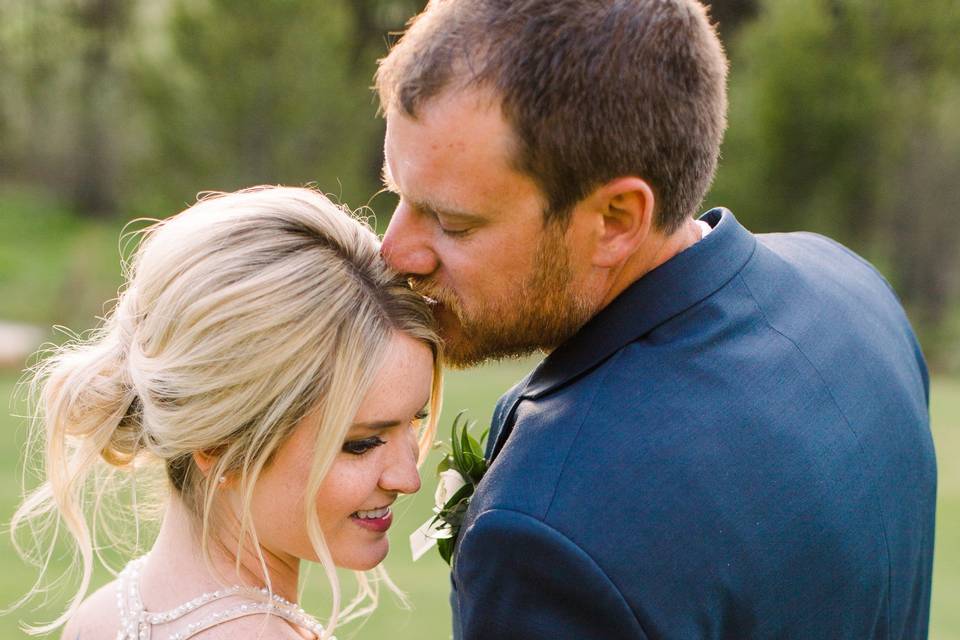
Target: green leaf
(465, 440)
(445, 547)
(474, 446)
(445, 464)
(455, 443)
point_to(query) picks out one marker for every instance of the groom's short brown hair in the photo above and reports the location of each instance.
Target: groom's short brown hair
(594, 89)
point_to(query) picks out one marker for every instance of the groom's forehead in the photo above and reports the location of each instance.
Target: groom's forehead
(470, 120)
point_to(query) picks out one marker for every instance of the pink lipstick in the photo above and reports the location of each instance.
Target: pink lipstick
(378, 524)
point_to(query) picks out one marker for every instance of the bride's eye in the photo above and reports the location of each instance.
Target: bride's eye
(359, 447)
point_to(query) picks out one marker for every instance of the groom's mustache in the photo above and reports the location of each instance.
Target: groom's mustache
(436, 294)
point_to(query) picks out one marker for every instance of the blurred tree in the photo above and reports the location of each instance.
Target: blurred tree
(921, 164)
(30, 36)
(119, 103)
(6, 73)
(268, 91)
(730, 15)
(375, 25)
(103, 24)
(840, 122)
(61, 103)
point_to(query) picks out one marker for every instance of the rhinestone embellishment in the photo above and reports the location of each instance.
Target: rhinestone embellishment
(136, 623)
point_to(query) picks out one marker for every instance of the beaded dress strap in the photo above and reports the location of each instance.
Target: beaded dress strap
(137, 624)
(131, 627)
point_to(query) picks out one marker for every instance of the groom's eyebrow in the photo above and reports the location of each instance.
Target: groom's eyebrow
(432, 209)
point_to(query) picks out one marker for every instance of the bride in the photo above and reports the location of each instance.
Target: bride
(266, 362)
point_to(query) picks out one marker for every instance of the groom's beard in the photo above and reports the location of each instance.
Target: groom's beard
(540, 314)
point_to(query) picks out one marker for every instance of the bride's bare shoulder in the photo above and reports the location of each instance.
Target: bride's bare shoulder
(97, 617)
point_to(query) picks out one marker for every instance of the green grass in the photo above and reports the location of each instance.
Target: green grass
(54, 267)
(426, 582)
(945, 416)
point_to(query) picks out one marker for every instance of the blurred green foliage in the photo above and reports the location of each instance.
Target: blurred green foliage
(259, 91)
(132, 107)
(843, 120)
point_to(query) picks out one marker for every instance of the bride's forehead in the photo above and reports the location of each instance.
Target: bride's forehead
(401, 386)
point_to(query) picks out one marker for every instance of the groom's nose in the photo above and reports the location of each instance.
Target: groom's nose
(407, 243)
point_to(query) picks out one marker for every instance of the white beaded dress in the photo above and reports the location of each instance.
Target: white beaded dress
(199, 614)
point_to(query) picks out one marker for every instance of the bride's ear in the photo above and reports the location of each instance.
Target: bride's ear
(626, 210)
(205, 462)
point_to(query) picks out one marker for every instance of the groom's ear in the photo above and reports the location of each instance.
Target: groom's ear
(623, 210)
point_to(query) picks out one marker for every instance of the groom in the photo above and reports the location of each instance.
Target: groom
(729, 437)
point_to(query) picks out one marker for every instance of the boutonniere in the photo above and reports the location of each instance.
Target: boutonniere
(458, 475)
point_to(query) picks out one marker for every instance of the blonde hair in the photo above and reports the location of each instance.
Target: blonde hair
(240, 316)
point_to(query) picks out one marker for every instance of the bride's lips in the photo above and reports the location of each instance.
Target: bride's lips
(378, 525)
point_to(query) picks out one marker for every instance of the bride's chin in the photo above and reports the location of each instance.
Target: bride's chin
(364, 561)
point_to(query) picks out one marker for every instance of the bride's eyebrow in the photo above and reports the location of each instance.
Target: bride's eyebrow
(375, 425)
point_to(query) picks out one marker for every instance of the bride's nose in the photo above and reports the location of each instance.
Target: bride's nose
(400, 474)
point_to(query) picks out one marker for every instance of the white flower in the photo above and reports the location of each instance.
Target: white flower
(450, 481)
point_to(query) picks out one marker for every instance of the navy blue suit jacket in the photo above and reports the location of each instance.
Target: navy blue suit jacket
(738, 447)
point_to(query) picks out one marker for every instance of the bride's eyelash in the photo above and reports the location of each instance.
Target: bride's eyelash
(423, 414)
(362, 446)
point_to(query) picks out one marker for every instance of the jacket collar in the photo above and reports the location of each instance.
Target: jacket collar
(659, 295)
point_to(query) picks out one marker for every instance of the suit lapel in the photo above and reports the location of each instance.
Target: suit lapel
(496, 442)
(503, 416)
